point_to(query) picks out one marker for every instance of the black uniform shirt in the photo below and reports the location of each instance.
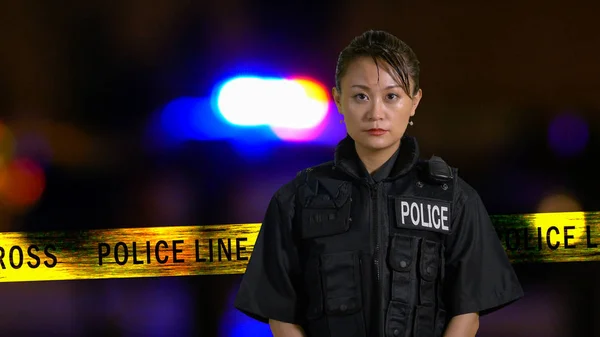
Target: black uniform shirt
(479, 277)
(382, 172)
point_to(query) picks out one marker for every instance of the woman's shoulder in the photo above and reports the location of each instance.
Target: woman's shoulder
(438, 171)
(303, 179)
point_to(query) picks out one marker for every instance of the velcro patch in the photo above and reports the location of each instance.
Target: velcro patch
(423, 214)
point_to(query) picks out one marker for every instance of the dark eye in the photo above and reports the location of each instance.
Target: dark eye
(361, 97)
(392, 96)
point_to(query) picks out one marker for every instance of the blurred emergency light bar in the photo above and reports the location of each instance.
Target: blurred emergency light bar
(255, 109)
(293, 108)
(287, 103)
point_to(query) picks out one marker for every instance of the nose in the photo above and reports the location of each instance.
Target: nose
(375, 112)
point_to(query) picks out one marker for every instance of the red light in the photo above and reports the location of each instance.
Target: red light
(21, 183)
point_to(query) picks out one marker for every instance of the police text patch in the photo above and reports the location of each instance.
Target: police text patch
(423, 214)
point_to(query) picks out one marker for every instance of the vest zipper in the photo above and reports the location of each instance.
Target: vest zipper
(375, 229)
(377, 256)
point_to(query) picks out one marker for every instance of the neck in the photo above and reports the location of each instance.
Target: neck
(374, 159)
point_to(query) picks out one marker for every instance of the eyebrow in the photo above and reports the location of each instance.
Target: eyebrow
(366, 87)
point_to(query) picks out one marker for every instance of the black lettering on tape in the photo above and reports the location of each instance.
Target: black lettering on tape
(103, 251)
(590, 244)
(33, 256)
(567, 236)
(11, 257)
(134, 254)
(225, 250)
(198, 258)
(51, 256)
(239, 249)
(157, 249)
(557, 243)
(125, 253)
(175, 251)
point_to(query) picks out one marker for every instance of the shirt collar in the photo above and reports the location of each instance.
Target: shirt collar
(400, 163)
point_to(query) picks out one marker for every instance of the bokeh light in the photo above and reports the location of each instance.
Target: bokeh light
(35, 146)
(568, 134)
(190, 118)
(7, 145)
(22, 179)
(313, 107)
(558, 202)
(287, 103)
(254, 113)
(235, 323)
(22, 183)
(58, 143)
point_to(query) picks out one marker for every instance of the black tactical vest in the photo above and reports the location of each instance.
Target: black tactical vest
(373, 255)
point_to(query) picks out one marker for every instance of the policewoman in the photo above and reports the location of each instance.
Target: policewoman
(377, 242)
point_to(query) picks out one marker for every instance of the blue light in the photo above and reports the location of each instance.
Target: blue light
(294, 104)
(251, 112)
(568, 134)
(235, 324)
(190, 118)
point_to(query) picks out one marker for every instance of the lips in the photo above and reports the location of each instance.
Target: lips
(376, 132)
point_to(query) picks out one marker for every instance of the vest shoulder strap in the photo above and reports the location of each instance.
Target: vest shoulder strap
(437, 179)
(324, 168)
(436, 171)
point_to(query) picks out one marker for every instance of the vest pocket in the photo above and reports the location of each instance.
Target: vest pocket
(428, 270)
(430, 264)
(440, 322)
(342, 306)
(424, 321)
(402, 252)
(402, 260)
(312, 281)
(397, 318)
(319, 219)
(337, 301)
(341, 282)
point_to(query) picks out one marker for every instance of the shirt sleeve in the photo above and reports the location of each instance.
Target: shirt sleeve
(268, 289)
(479, 276)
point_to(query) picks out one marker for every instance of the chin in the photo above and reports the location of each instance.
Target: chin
(375, 144)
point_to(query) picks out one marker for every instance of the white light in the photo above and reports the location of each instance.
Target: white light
(279, 103)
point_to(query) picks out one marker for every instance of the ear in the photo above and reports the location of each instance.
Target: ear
(415, 101)
(337, 99)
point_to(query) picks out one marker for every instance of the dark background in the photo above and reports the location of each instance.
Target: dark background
(510, 97)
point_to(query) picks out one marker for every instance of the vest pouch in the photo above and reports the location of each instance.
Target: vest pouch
(424, 321)
(425, 313)
(342, 292)
(430, 260)
(325, 216)
(402, 252)
(429, 266)
(397, 318)
(342, 306)
(440, 323)
(312, 283)
(402, 259)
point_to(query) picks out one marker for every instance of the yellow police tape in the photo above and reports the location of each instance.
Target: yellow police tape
(225, 249)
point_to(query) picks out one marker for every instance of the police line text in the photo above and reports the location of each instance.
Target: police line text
(540, 238)
(217, 249)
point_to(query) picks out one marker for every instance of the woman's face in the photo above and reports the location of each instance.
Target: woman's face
(375, 107)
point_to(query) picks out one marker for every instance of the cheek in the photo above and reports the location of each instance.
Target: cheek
(402, 111)
(352, 121)
(351, 109)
